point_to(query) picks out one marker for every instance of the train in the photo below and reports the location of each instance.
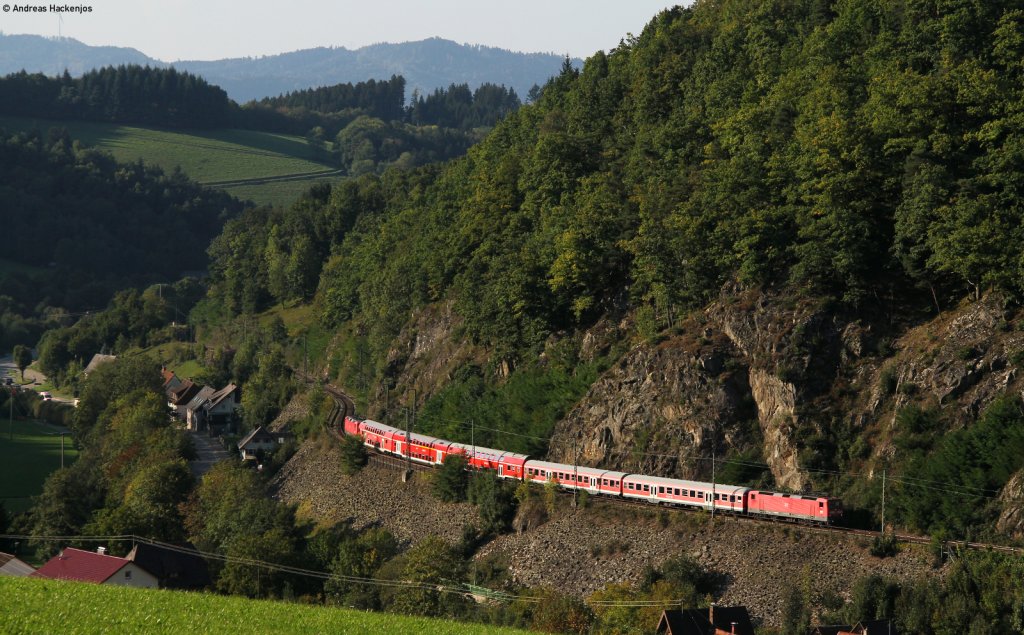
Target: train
(673, 492)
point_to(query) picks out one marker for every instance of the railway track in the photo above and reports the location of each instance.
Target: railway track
(344, 405)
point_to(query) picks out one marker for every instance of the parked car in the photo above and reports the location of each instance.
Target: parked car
(46, 396)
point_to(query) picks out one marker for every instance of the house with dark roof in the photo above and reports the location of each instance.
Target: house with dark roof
(179, 397)
(716, 620)
(221, 407)
(261, 440)
(96, 567)
(174, 568)
(13, 566)
(195, 414)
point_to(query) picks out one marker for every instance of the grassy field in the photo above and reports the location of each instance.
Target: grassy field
(237, 160)
(47, 606)
(28, 459)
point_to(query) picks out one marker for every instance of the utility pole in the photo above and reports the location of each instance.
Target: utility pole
(62, 450)
(575, 471)
(10, 420)
(713, 494)
(472, 440)
(883, 500)
(409, 425)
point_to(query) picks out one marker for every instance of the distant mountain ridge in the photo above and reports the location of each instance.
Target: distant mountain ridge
(425, 64)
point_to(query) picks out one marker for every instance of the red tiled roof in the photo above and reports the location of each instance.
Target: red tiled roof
(84, 566)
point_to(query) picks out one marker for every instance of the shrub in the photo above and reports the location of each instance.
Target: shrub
(550, 495)
(451, 480)
(887, 380)
(884, 546)
(353, 454)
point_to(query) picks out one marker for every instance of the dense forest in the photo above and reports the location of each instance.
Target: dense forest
(123, 94)
(85, 226)
(850, 148)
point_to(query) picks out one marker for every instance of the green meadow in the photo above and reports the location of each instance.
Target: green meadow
(264, 167)
(48, 606)
(29, 452)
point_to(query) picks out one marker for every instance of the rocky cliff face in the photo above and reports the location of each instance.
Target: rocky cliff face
(423, 358)
(667, 406)
(662, 409)
(810, 377)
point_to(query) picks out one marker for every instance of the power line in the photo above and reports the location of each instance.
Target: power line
(323, 575)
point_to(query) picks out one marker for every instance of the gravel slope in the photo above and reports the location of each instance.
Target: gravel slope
(579, 551)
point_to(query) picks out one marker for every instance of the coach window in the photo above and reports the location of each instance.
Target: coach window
(647, 488)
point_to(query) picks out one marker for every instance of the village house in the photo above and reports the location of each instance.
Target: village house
(180, 396)
(716, 620)
(174, 568)
(171, 380)
(261, 440)
(195, 415)
(220, 408)
(96, 567)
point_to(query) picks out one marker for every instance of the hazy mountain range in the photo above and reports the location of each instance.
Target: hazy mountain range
(426, 65)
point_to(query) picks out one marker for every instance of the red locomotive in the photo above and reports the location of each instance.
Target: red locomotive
(653, 489)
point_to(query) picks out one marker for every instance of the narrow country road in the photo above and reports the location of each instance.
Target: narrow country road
(209, 451)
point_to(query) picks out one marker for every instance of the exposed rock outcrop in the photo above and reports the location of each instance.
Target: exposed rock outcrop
(661, 409)
(424, 357)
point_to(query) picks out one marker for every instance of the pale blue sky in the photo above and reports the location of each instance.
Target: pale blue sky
(212, 29)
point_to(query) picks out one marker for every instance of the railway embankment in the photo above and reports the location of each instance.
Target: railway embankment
(581, 550)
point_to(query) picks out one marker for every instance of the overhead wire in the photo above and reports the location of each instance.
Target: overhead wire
(323, 575)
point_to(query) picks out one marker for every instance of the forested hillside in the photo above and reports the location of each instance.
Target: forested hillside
(852, 149)
(84, 226)
(856, 157)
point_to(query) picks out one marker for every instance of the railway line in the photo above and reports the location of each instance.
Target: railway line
(344, 406)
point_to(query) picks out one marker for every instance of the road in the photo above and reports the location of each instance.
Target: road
(34, 378)
(209, 451)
